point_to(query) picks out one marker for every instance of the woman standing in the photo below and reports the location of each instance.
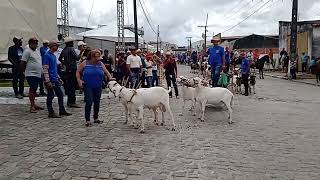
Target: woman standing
(93, 72)
(155, 64)
(170, 67)
(149, 70)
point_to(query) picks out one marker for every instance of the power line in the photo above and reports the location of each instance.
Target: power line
(233, 7)
(89, 16)
(145, 14)
(254, 12)
(238, 10)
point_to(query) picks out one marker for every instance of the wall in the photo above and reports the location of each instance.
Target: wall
(316, 42)
(101, 44)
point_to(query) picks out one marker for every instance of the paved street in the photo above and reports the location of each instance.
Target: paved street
(276, 135)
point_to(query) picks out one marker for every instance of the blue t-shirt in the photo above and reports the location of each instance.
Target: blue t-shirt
(216, 54)
(245, 67)
(50, 59)
(43, 50)
(304, 58)
(93, 75)
(227, 57)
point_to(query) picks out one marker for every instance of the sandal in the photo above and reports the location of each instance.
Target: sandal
(88, 124)
(33, 110)
(39, 108)
(97, 121)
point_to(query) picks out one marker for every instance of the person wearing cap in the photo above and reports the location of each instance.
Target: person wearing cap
(216, 60)
(31, 64)
(44, 49)
(134, 66)
(53, 81)
(69, 59)
(170, 67)
(81, 48)
(245, 72)
(14, 56)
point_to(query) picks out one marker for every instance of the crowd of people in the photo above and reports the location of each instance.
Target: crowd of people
(85, 69)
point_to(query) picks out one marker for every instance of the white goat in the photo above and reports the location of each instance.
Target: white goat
(151, 98)
(188, 94)
(214, 96)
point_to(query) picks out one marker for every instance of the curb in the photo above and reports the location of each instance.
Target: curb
(285, 78)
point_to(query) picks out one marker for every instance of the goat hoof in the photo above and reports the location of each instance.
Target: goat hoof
(125, 123)
(142, 131)
(162, 124)
(136, 127)
(194, 114)
(157, 124)
(155, 120)
(173, 129)
(230, 122)
(180, 114)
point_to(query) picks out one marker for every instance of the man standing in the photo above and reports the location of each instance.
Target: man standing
(245, 71)
(108, 61)
(14, 56)
(31, 63)
(43, 50)
(304, 60)
(69, 59)
(53, 81)
(270, 54)
(80, 50)
(216, 60)
(143, 75)
(227, 58)
(170, 67)
(134, 66)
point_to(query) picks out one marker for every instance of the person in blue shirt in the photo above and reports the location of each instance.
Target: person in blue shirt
(216, 60)
(53, 81)
(43, 50)
(245, 72)
(227, 55)
(304, 60)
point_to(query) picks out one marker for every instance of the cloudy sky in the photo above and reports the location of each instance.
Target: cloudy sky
(180, 18)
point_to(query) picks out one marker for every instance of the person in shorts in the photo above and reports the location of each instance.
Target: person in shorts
(31, 63)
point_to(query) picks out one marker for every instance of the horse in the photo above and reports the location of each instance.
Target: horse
(260, 65)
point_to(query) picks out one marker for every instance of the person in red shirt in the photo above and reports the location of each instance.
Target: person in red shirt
(170, 67)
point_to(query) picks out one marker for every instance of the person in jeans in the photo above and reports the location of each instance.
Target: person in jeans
(14, 56)
(155, 64)
(149, 70)
(69, 58)
(31, 64)
(245, 72)
(304, 60)
(216, 60)
(170, 67)
(134, 66)
(53, 81)
(92, 72)
(43, 50)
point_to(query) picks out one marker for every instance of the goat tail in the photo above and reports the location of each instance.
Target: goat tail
(169, 90)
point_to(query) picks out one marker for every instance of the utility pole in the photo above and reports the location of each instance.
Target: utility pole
(205, 34)
(158, 33)
(135, 23)
(189, 43)
(294, 32)
(120, 23)
(65, 17)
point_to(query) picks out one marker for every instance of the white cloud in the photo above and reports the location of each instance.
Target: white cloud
(180, 18)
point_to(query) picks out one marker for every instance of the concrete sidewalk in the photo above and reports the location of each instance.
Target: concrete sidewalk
(302, 78)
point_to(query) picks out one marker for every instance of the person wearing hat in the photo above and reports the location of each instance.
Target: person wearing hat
(216, 60)
(53, 81)
(31, 64)
(14, 56)
(134, 66)
(245, 72)
(81, 48)
(170, 67)
(69, 59)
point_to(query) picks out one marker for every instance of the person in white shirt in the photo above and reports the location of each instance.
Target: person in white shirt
(134, 66)
(149, 67)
